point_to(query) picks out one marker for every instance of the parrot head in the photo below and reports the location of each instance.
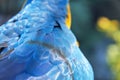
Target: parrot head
(61, 4)
(13, 6)
(64, 3)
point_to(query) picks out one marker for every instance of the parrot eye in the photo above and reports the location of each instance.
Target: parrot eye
(4, 52)
(3, 46)
(15, 20)
(1, 49)
(57, 25)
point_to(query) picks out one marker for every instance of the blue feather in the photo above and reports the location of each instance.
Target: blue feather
(36, 44)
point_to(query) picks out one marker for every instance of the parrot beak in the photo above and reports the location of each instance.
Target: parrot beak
(68, 17)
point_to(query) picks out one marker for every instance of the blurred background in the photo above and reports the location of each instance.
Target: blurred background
(96, 24)
(97, 27)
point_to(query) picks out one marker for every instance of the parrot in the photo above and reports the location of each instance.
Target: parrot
(36, 44)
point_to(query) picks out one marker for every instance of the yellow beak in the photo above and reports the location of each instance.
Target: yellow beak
(68, 17)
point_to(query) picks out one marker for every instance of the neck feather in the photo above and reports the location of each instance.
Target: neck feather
(56, 7)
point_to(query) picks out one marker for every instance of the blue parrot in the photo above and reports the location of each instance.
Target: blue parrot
(36, 45)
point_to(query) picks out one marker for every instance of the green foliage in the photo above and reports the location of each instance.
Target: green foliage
(112, 29)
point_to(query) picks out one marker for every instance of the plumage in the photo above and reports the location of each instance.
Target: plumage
(37, 45)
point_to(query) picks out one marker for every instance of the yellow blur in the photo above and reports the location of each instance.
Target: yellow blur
(68, 17)
(108, 25)
(112, 29)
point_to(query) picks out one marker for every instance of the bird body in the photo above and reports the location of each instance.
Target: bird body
(37, 45)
